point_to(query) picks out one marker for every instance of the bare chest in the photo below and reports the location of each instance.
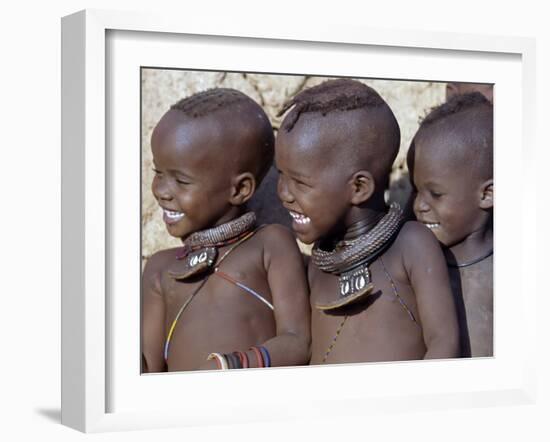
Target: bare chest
(216, 314)
(381, 327)
(473, 292)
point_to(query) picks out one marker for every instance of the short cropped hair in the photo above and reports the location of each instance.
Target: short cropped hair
(342, 95)
(212, 100)
(455, 105)
(330, 96)
(470, 117)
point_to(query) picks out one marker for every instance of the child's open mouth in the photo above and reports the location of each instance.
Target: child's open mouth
(299, 218)
(431, 226)
(172, 217)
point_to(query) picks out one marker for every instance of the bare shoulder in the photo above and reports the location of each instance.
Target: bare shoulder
(280, 250)
(417, 243)
(158, 261)
(419, 247)
(277, 237)
(414, 235)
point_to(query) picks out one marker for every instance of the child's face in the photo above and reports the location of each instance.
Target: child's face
(311, 186)
(190, 184)
(448, 194)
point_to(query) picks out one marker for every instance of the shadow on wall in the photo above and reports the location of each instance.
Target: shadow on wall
(266, 204)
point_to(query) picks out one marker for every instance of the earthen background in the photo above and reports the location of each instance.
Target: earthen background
(161, 88)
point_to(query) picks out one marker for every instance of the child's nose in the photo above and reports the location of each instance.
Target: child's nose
(282, 190)
(161, 189)
(420, 204)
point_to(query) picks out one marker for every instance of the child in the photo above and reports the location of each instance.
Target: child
(234, 295)
(454, 89)
(451, 163)
(379, 289)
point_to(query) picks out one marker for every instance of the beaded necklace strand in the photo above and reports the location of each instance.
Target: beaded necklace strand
(472, 262)
(201, 285)
(396, 294)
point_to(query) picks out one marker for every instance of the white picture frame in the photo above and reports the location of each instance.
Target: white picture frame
(92, 172)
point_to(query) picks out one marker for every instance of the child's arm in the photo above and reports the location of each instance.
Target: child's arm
(152, 317)
(286, 275)
(427, 270)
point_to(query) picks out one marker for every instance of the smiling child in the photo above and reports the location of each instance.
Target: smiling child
(379, 286)
(235, 294)
(451, 164)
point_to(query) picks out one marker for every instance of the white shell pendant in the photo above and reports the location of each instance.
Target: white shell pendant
(354, 286)
(194, 264)
(354, 281)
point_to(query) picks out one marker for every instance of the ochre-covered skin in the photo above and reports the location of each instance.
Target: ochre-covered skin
(333, 167)
(207, 169)
(473, 291)
(452, 170)
(380, 329)
(222, 317)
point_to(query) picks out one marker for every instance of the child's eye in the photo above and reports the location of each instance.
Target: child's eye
(301, 184)
(157, 172)
(435, 194)
(179, 181)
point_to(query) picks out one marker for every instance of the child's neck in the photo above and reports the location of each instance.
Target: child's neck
(475, 246)
(362, 219)
(362, 226)
(233, 213)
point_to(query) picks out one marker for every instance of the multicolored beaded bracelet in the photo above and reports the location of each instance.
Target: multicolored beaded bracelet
(259, 356)
(239, 357)
(265, 356)
(244, 359)
(234, 361)
(220, 360)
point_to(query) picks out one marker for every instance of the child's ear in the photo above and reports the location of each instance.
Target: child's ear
(486, 191)
(362, 187)
(244, 186)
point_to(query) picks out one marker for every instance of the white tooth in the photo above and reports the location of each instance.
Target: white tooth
(298, 217)
(172, 215)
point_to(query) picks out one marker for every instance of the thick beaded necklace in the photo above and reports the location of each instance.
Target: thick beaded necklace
(220, 234)
(200, 249)
(350, 259)
(199, 254)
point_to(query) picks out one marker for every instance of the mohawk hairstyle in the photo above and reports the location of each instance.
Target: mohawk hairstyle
(470, 116)
(456, 104)
(209, 101)
(329, 96)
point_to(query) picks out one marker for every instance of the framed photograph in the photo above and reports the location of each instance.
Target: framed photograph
(107, 59)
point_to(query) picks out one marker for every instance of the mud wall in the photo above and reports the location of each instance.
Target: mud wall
(161, 88)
